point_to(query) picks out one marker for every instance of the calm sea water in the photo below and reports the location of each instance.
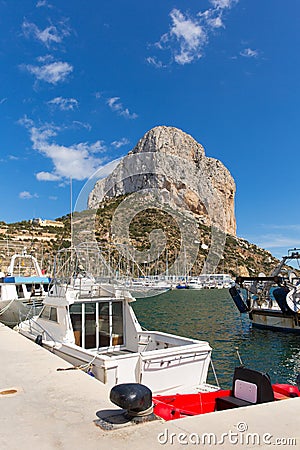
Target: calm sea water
(211, 315)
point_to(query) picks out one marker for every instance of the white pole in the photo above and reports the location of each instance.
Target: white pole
(71, 211)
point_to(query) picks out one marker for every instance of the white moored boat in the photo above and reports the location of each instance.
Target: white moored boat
(22, 289)
(92, 325)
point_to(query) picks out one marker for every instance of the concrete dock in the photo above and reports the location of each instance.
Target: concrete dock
(43, 408)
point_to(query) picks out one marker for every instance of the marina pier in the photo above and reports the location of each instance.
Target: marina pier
(46, 408)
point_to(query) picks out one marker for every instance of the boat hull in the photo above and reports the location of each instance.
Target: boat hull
(162, 370)
(275, 320)
(170, 407)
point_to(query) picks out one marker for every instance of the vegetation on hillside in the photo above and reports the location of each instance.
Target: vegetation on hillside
(239, 257)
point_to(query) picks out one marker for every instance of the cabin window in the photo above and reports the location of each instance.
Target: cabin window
(111, 324)
(53, 314)
(49, 313)
(117, 323)
(90, 325)
(104, 324)
(76, 319)
(20, 291)
(97, 325)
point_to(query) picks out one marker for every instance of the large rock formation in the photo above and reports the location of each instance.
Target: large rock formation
(172, 162)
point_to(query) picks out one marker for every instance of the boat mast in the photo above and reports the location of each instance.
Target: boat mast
(71, 212)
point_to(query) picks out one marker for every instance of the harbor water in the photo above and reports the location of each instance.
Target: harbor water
(211, 315)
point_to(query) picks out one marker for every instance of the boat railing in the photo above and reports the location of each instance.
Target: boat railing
(86, 287)
(37, 327)
(33, 305)
(153, 340)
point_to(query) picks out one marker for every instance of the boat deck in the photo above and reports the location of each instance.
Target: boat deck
(116, 352)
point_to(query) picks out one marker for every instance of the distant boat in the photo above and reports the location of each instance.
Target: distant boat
(272, 302)
(195, 283)
(208, 281)
(22, 289)
(144, 287)
(182, 286)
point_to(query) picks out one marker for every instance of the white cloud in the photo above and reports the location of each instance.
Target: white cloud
(277, 238)
(120, 143)
(52, 73)
(50, 35)
(25, 195)
(188, 36)
(215, 22)
(116, 105)
(290, 227)
(78, 161)
(3, 100)
(249, 53)
(47, 176)
(64, 104)
(222, 4)
(278, 241)
(45, 58)
(78, 124)
(41, 3)
(155, 62)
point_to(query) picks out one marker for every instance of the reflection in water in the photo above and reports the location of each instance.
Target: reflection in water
(211, 315)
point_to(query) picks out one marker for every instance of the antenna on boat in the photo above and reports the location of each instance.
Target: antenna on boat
(239, 356)
(71, 213)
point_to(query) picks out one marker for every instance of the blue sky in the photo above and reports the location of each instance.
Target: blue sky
(82, 82)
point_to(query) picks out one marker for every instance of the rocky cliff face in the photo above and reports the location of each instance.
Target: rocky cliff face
(172, 162)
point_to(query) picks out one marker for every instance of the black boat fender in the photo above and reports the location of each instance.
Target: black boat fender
(239, 302)
(39, 340)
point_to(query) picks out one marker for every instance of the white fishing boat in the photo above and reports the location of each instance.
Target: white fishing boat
(92, 325)
(22, 289)
(272, 302)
